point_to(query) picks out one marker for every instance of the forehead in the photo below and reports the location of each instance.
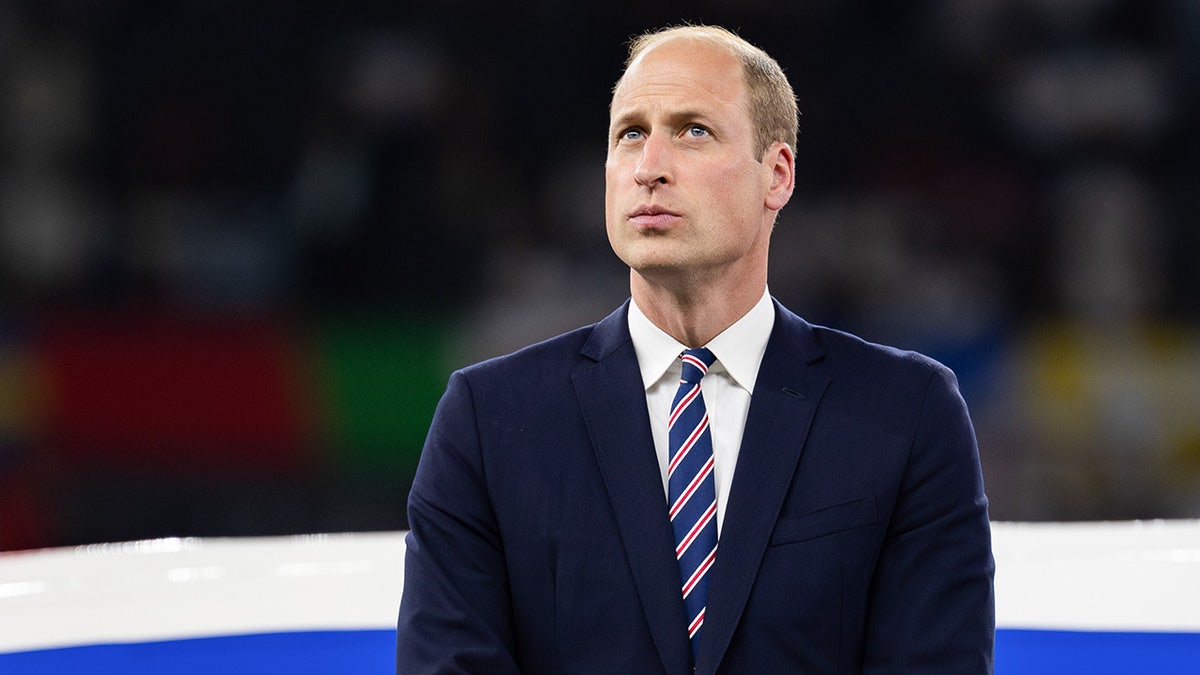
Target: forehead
(680, 72)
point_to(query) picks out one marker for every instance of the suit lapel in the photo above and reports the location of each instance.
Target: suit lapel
(611, 397)
(786, 394)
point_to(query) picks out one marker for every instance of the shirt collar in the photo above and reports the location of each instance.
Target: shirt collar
(739, 348)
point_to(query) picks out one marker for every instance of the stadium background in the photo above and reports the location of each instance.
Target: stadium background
(242, 244)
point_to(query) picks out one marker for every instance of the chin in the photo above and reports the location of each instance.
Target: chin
(646, 259)
(659, 270)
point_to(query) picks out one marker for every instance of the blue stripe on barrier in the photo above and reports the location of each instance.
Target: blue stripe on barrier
(1024, 652)
(324, 652)
(1027, 652)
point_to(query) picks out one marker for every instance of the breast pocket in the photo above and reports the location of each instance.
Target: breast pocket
(825, 521)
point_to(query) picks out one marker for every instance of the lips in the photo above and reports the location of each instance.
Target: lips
(652, 217)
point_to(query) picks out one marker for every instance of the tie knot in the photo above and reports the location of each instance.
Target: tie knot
(695, 364)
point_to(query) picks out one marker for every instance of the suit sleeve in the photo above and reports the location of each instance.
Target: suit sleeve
(455, 614)
(932, 604)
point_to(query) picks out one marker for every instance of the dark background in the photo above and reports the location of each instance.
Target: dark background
(242, 244)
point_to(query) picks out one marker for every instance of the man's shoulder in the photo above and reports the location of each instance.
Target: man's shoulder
(847, 351)
(558, 353)
(846, 345)
(558, 348)
(890, 382)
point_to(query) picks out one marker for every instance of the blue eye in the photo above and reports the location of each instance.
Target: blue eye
(631, 135)
(697, 131)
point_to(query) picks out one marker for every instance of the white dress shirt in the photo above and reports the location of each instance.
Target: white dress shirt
(726, 388)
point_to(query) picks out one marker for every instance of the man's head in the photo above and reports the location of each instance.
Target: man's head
(773, 110)
(692, 187)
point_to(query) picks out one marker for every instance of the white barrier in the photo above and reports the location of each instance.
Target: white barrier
(1128, 576)
(169, 589)
(1124, 593)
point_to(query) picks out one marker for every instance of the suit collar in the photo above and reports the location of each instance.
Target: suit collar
(738, 348)
(608, 335)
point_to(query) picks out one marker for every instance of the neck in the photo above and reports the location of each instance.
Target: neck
(693, 313)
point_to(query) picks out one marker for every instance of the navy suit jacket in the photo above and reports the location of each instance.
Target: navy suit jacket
(855, 539)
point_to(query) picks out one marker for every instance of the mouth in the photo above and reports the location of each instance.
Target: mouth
(652, 217)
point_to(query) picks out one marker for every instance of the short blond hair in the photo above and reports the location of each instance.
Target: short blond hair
(773, 111)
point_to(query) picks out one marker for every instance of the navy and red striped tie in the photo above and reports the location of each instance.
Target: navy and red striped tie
(691, 489)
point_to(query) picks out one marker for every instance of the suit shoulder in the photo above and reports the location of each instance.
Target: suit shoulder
(844, 350)
(559, 354)
(892, 386)
(554, 352)
(848, 351)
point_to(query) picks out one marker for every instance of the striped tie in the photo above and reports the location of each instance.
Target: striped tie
(691, 489)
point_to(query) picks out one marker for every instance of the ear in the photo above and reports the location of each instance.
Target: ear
(782, 164)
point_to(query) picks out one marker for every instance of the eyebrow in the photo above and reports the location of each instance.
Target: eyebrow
(673, 119)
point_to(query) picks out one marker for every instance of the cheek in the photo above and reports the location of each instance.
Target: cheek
(614, 166)
(610, 206)
(612, 182)
(735, 202)
(730, 192)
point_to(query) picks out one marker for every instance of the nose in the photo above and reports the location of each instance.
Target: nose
(654, 164)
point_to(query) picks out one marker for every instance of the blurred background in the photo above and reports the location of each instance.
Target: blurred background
(243, 244)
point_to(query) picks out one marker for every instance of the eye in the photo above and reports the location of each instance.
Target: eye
(697, 131)
(631, 134)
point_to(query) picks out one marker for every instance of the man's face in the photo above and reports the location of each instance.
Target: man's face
(686, 197)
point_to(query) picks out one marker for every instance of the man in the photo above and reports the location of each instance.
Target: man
(830, 516)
